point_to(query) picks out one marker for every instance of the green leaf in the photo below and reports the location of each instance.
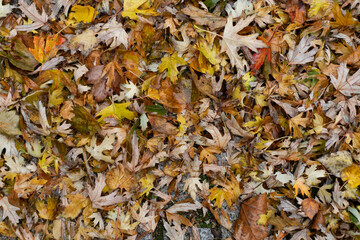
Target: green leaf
(354, 216)
(211, 3)
(84, 122)
(157, 108)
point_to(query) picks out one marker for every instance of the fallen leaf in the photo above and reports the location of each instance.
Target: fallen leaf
(310, 207)
(202, 17)
(351, 174)
(246, 226)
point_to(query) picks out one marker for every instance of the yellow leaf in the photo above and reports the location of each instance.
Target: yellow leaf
(352, 175)
(147, 183)
(218, 194)
(171, 63)
(252, 124)
(78, 202)
(340, 19)
(211, 54)
(131, 8)
(318, 7)
(55, 97)
(47, 211)
(247, 80)
(117, 110)
(265, 217)
(83, 14)
(294, 125)
(300, 184)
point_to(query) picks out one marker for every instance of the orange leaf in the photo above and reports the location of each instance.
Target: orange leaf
(310, 207)
(340, 19)
(43, 51)
(299, 184)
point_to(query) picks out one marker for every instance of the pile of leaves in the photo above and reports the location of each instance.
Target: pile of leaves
(124, 118)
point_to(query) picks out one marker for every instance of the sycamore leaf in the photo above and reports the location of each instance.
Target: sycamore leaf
(231, 41)
(192, 185)
(99, 201)
(171, 63)
(229, 192)
(32, 13)
(5, 9)
(96, 151)
(184, 207)
(116, 110)
(218, 140)
(58, 4)
(352, 175)
(84, 14)
(340, 19)
(131, 8)
(9, 123)
(113, 34)
(344, 84)
(9, 211)
(175, 232)
(300, 53)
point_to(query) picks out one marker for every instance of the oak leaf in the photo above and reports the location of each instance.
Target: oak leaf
(9, 211)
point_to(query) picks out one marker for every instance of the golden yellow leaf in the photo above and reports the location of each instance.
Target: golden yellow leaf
(131, 8)
(170, 63)
(83, 14)
(47, 211)
(117, 110)
(340, 19)
(352, 175)
(147, 183)
(78, 202)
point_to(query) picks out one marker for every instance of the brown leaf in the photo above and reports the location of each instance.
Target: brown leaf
(204, 18)
(161, 125)
(246, 226)
(310, 207)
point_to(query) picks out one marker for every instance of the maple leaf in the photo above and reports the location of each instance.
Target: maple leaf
(300, 53)
(231, 41)
(340, 19)
(113, 34)
(96, 151)
(294, 125)
(230, 192)
(300, 184)
(147, 183)
(41, 51)
(32, 13)
(131, 9)
(117, 110)
(344, 84)
(171, 63)
(99, 201)
(58, 4)
(9, 211)
(130, 90)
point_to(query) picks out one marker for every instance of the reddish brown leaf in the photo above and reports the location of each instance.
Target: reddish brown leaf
(246, 227)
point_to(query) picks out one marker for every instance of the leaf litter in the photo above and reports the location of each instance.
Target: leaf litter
(126, 119)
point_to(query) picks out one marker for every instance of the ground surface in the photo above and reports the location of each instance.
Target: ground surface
(139, 119)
